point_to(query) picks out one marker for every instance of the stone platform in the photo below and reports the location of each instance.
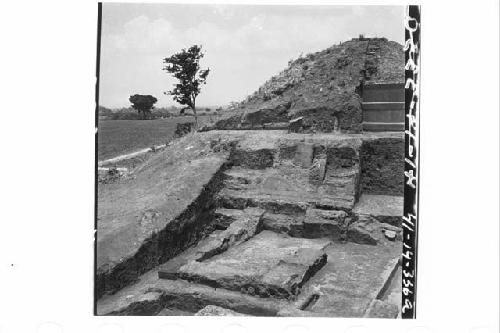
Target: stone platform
(268, 265)
(262, 223)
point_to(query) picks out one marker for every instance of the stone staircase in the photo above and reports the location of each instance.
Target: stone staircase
(383, 107)
(288, 239)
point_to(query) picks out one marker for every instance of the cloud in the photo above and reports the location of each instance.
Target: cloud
(242, 51)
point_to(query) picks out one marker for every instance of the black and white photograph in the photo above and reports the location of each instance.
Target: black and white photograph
(251, 160)
(241, 166)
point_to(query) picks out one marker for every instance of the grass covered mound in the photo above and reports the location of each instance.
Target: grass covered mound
(323, 87)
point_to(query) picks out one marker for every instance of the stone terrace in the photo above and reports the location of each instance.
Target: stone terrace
(262, 223)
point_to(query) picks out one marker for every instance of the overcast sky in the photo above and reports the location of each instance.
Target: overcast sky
(244, 45)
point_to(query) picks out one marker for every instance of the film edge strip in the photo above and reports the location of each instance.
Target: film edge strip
(410, 212)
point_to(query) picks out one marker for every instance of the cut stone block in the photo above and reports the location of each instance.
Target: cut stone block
(214, 310)
(244, 226)
(170, 269)
(150, 295)
(282, 223)
(287, 152)
(359, 234)
(268, 265)
(382, 162)
(253, 159)
(385, 208)
(368, 230)
(342, 157)
(304, 155)
(353, 277)
(341, 183)
(287, 187)
(325, 223)
(286, 204)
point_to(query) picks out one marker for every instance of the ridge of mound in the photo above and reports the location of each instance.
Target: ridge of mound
(323, 87)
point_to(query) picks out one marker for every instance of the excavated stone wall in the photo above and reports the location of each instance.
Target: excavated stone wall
(382, 166)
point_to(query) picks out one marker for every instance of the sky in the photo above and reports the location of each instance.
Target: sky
(244, 45)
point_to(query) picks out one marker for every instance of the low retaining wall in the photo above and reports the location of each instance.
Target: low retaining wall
(382, 166)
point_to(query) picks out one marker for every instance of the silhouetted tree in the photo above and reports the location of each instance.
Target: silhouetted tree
(185, 67)
(143, 103)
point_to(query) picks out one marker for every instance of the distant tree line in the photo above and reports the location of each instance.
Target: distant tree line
(128, 113)
(185, 67)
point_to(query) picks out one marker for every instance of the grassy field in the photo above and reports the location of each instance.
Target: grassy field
(118, 137)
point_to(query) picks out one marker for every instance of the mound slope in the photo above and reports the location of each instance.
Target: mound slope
(323, 87)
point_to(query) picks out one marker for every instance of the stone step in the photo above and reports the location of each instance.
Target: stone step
(350, 281)
(334, 225)
(384, 116)
(280, 203)
(241, 226)
(383, 127)
(267, 265)
(383, 112)
(291, 193)
(383, 93)
(285, 224)
(384, 208)
(153, 296)
(383, 105)
(291, 203)
(331, 224)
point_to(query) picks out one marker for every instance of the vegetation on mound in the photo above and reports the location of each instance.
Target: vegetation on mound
(324, 87)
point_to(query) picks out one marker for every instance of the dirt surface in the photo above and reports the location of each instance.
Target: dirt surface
(139, 213)
(380, 205)
(243, 216)
(119, 137)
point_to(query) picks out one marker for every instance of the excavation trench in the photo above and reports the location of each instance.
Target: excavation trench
(193, 224)
(272, 184)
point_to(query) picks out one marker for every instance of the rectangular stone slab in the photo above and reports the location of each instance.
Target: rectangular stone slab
(245, 224)
(385, 208)
(267, 265)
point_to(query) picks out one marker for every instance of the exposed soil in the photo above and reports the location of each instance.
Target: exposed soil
(239, 218)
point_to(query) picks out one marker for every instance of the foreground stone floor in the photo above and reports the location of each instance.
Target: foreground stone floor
(260, 223)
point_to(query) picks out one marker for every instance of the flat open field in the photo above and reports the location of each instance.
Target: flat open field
(118, 137)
